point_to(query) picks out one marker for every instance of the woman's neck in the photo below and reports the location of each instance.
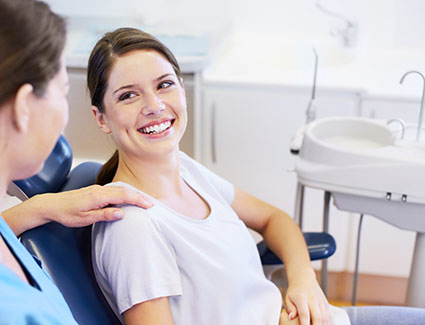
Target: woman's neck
(158, 178)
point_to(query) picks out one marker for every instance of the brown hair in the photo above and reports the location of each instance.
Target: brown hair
(102, 58)
(32, 39)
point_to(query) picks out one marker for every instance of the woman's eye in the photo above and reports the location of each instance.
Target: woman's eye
(165, 84)
(126, 96)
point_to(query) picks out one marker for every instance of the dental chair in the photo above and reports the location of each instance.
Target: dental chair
(65, 253)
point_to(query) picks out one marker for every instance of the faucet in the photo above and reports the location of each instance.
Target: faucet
(421, 112)
(348, 34)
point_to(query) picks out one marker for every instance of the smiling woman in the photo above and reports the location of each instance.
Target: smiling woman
(127, 93)
(194, 244)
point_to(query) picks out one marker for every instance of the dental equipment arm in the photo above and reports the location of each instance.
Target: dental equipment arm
(310, 113)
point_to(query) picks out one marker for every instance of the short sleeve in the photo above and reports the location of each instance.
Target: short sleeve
(221, 185)
(133, 260)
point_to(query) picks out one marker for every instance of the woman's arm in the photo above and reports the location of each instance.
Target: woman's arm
(75, 208)
(304, 296)
(151, 312)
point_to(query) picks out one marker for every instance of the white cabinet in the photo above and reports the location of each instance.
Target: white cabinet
(246, 135)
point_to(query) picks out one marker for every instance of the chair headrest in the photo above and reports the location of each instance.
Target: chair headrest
(55, 170)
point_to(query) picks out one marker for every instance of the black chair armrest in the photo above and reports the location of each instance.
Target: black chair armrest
(320, 245)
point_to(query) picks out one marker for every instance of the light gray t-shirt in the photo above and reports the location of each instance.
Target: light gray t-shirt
(210, 269)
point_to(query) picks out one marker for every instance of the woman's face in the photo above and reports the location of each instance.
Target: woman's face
(49, 115)
(145, 105)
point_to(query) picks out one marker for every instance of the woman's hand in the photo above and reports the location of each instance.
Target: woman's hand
(286, 320)
(306, 300)
(75, 208)
(282, 235)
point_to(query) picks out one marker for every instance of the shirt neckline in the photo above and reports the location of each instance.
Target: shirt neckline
(193, 185)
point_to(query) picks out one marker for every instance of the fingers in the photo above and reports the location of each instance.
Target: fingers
(115, 195)
(105, 214)
(291, 309)
(304, 314)
(326, 313)
(316, 311)
(300, 306)
(285, 320)
(316, 314)
(82, 207)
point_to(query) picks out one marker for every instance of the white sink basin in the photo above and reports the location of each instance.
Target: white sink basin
(361, 156)
(346, 140)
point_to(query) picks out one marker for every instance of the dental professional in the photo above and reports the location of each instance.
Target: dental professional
(33, 113)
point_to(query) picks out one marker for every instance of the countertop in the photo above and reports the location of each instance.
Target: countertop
(268, 60)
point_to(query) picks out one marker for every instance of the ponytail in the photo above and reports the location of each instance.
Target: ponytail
(108, 170)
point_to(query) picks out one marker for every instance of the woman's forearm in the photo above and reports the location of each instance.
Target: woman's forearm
(26, 215)
(283, 236)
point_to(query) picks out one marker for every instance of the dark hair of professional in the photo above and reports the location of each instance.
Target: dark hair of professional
(102, 58)
(32, 39)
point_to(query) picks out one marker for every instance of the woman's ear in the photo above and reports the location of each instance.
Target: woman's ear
(182, 84)
(22, 107)
(100, 120)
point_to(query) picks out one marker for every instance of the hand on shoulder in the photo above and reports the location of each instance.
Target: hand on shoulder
(76, 208)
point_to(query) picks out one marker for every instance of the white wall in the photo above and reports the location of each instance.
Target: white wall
(191, 13)
(381, 23)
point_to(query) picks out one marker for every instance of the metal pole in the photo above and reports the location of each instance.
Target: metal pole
(324, 271)
(299, 204)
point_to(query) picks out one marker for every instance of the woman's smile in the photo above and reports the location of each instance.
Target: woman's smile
(159, 128)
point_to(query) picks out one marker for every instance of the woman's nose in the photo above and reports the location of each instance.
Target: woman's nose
(153, 104)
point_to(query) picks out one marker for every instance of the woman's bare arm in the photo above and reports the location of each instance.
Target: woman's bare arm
(304, 297)
(151, 312)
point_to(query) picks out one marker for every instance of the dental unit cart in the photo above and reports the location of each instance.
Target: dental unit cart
(366, 169)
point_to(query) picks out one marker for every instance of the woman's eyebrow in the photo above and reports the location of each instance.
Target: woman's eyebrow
(131, 86)
(164, 75)
(121, 88)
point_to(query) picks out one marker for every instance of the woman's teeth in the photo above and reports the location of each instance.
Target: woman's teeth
(158, 128)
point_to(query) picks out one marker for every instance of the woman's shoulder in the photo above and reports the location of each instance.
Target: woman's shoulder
(134, 216)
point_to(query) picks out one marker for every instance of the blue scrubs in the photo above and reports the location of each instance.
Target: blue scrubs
(22, 303)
